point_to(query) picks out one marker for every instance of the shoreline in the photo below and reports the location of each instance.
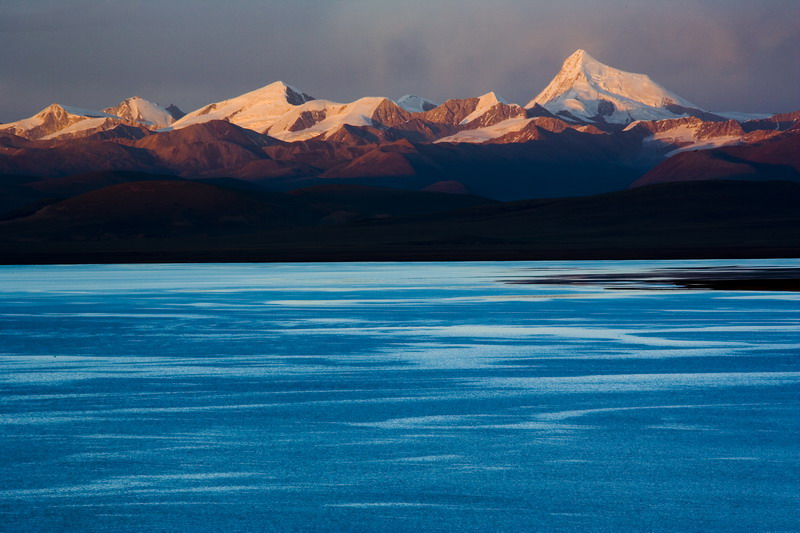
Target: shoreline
(213, 256)
(723, 279)
(730, 278)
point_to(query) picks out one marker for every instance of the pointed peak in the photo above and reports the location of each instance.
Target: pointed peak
(133, 101)
(578, 62)
(52, 107)
(277, 84)
(281, 90)
(590, 90)
(581, 56)
(491, 98)
(277, 87)
(140, 100)
(415, 103)
(143, 111)
(484, 104)
(77, 111)
(285, 86)
(580, 53)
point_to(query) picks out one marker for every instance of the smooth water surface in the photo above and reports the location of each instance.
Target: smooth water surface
(394, 397)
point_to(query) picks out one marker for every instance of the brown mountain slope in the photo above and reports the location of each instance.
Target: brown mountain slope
(781, 122)
(547, 157)
(495, 114)
(677, 220)
(450, 112)
(200, 148)
(777, 158)
(160, 209)
(63, 158)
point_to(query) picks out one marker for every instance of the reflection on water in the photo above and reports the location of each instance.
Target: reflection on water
(396, 397)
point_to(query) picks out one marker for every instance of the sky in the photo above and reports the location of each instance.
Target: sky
(722, 55)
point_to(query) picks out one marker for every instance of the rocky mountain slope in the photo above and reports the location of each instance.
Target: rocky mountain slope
(593, 129)
(776, 158)
(58, 121)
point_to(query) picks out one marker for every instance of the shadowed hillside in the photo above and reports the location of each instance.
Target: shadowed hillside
(186, 221)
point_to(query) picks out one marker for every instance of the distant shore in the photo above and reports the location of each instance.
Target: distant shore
(725, 279)
(70, 253)
(763, 284)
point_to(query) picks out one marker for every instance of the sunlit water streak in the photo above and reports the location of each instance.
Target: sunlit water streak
(395, 397)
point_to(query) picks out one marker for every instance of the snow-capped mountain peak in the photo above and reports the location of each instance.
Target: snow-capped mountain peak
(485, 103)
(587, 89)
(138, 109)
(491, 98)
(415, 104)
(278, 92)
(52, 119)
(285, 113)
(250, 109)
(61, 110)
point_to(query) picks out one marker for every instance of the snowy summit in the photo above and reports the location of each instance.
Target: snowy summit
(587, 89)
(137, 109)
(415, 104)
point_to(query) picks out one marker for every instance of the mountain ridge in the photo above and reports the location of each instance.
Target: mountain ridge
(584, 91)
(61, 121)
(280, 136)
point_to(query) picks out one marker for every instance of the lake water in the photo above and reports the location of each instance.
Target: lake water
(395, 397)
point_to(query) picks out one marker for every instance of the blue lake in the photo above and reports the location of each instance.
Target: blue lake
(395, 397)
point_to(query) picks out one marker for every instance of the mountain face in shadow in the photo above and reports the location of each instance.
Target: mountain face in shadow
(777, 158)
(230, 220)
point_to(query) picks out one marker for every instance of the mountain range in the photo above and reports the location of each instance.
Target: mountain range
(593, 130)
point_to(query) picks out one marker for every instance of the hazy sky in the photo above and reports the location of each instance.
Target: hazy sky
(720, 54)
